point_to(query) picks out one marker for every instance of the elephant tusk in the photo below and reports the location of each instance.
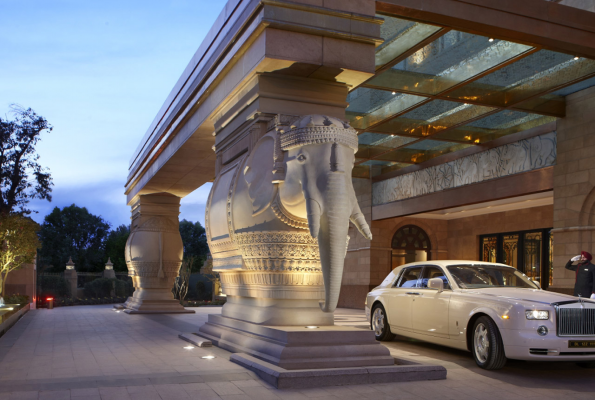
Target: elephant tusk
(314, 210)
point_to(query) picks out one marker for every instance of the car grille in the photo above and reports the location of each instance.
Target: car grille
(576, 321)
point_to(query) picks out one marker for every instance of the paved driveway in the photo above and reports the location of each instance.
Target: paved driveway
(92, 352)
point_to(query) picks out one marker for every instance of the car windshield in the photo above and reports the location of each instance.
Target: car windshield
(485, 276)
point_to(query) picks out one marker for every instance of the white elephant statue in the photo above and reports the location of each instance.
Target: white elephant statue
(277, 221)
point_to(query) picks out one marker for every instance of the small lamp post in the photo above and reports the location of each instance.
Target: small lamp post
(72, 277)
(70, 264)
(109, 269)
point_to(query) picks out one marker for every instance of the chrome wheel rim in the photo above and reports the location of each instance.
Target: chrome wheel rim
(378, 322)
(481, 343)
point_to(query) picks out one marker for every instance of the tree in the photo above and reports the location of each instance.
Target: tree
(73, 231)
(115, 246)
(21, 176)
(194, 239)
(18, 238)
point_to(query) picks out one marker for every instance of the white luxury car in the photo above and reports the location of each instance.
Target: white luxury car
(492, 310)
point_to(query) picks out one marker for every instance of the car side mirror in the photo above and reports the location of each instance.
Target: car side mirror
(436, 283)
(537, 283)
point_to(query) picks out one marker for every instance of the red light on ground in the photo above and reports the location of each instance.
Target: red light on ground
(49, 298)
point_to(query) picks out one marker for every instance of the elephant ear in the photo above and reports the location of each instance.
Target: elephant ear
(259, 174)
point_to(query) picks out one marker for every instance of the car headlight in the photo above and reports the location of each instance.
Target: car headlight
(535, 314)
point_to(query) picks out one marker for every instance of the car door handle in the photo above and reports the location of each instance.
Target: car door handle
(414, 293)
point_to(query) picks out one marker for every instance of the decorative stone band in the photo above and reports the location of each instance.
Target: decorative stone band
(158, 224)
(273, 285)
(513, 158)
(148, 269)
(281, 264)
(272, 278)
(222, 246)
(319, 134)
(279, 251)
(573, 229)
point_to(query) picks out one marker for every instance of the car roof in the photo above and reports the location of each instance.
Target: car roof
(447, 263)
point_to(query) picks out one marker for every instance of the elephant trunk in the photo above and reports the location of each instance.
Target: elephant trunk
(332, 238)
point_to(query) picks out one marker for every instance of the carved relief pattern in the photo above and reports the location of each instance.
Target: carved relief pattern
(232, 187)
(207, 208)
(319, 129)
(522, 156)
(222, 246)
(148, 269)
(273, 278)
(279, 251)
(158, 224)
(286, 217)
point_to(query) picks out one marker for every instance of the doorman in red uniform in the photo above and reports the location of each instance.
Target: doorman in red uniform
(585, 275)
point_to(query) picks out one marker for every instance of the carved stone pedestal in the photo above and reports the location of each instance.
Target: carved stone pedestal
(298, 347)
(154, 301)
(277, 225)
(154, 255)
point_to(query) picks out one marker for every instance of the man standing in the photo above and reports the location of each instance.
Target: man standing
(585, 275)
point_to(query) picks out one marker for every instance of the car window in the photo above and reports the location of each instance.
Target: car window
(486, 275)
(433, 272)
(399, 275)
(409, 278)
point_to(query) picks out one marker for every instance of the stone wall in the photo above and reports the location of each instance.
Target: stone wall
(358, 261)
(574, 185)
(22, 281)
(463, 233)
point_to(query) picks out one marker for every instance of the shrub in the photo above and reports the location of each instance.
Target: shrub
(54, 286)
(17, 299)
(100, 287)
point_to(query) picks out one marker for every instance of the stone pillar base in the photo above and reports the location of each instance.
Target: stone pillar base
(139, 306)
(154, 301)
(298, 347)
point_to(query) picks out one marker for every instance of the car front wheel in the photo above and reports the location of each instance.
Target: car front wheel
(379, 324)
(487, 347)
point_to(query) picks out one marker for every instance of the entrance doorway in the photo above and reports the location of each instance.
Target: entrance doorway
(410, 244)
(528, 251)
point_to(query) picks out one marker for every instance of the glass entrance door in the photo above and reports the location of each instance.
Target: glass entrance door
(527, 251)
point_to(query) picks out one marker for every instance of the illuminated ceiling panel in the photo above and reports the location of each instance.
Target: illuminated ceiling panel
(438, 90)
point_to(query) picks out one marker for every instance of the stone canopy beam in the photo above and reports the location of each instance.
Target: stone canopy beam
(294, 39)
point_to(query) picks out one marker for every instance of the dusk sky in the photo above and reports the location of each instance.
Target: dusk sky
(98, 71)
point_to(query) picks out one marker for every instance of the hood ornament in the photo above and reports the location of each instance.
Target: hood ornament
(581, 300)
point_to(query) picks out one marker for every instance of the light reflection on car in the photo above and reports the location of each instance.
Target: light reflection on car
(492, 310)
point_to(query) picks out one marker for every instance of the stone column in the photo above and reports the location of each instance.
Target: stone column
(154, 254)
(574, 186)
(71, 277)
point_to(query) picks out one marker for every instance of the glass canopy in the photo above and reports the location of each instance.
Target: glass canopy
(438, 90)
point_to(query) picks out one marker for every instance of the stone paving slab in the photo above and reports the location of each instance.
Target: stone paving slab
(92, 352)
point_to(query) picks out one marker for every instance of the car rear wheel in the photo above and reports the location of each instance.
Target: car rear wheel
(379, 324)
(487, 347)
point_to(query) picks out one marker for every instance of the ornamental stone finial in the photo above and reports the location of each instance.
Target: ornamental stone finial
(70, 264)
(109, 265)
